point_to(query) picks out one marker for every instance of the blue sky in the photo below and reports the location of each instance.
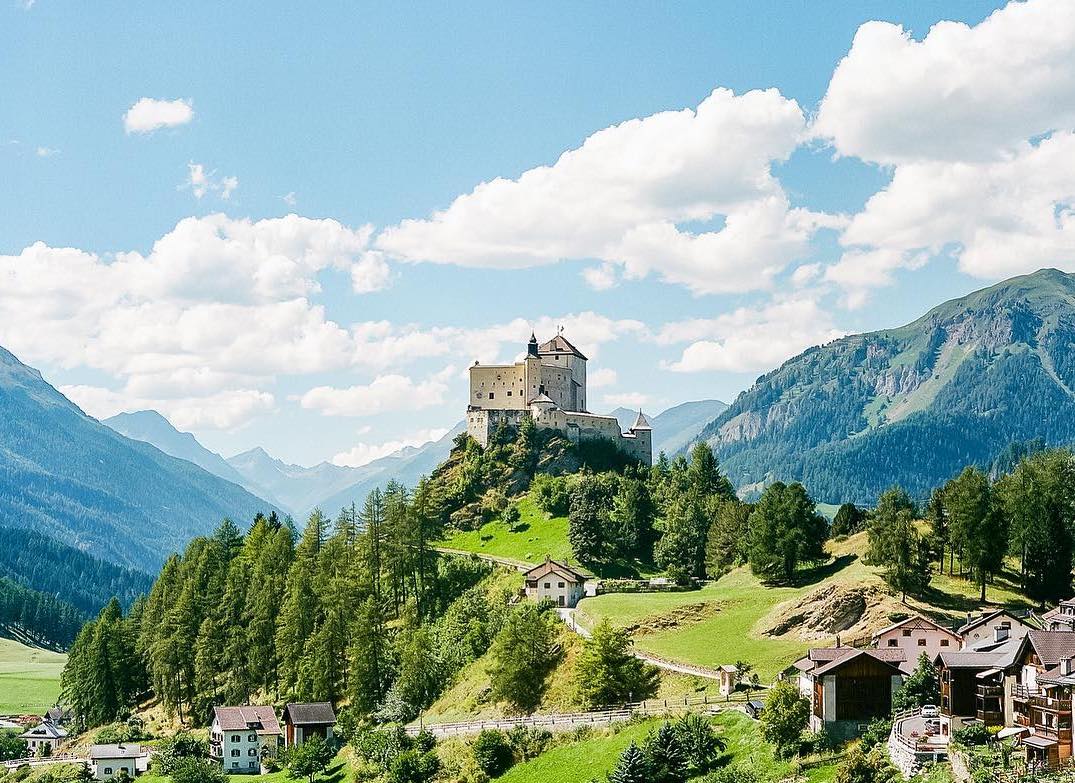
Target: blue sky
(687, 252)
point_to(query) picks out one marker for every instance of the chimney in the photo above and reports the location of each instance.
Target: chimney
(1065, 666)
(837, 640)
(1000, 633)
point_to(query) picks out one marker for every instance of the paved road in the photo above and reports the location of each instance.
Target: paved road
(62, 758)
(518, 565)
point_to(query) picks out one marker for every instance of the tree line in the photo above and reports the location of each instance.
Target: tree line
(38, 617)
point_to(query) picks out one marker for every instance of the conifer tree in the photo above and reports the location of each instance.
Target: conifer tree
(631, 767)
(665, 760)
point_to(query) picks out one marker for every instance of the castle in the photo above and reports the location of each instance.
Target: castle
(549, 386)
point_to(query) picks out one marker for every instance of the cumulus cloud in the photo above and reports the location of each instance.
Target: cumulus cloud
(150, 114)
(200, 182)
(364, 453)
(371, 273)
(961, 93)
(624, 195)
(604, 376)
(749, 339)
(385, 393)
(633, 400)
(46, 152)
(217, 305)
(224, 410)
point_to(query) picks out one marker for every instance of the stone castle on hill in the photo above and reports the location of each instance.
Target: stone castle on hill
(548, 386)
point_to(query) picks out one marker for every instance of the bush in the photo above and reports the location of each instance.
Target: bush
(493, 752)
(974, 734)
(528, 742)
(21, 773)
(551, 493)
(876, 733)
(182, 746)
(512, 515)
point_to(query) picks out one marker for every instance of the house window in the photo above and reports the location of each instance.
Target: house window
(893, 642)
(944, 642)
(906, 633)
(547, 585)
(921, 642)
(252, 752)
(560, 584)
(251, 765)
(253, 738)
(236, 752)
(236, 738)
(235, 765)
(108, 770)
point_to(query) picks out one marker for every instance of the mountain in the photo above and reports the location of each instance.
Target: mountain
(966, 382)
(406, 466)
(76, 480)
(676, 427)
(298, 488)
(151, 427)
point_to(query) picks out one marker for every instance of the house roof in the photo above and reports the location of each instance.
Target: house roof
(559, 344)
(258, 717)
(641, 423)
(318, 712)
(970, 625)
(993, 656)
(57, 714)
(917, 623)
(44, 730)
(554, 566)
(889, 657)
(115, 751)
(1052, 646)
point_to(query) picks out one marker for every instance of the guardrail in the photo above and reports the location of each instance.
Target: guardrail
(38, 760)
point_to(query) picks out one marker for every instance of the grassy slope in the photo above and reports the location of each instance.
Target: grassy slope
(732, 633)
(536, 536)
(589, 759)
(29, 677)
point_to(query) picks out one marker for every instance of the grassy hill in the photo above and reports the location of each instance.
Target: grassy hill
(591, 759)
(29, 677)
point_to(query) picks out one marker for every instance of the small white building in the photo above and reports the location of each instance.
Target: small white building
(917, 635)
(44, 738)
(111, 761)
(241, 736)
(555, 581)
(992, 628)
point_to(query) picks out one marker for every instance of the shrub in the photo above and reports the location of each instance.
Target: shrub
(551, 493)
(974, 734)
(174, 749)
(493, 752)
(528, 742)
(193, 770)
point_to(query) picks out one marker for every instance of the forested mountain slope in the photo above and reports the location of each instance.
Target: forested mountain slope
(677, 426)
(912, 405)
(73, 478)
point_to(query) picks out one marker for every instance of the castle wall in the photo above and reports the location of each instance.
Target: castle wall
(498, 386)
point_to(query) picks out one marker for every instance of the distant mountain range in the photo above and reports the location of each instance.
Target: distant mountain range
(294, 489)
(676, 427)
(963, 384)
(74, 479)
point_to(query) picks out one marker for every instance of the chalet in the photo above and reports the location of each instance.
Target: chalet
(303, 721)
(917, 635)
(848, 688)
(974, 683)
(111, 761)
(241, 737)
(1042, 695)
(556, 582)
(44, 738)
(1062, 618)
(57, 716)
(992, 628)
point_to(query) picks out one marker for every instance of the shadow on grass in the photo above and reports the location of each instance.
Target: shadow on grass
(811, 576)
(334, 774)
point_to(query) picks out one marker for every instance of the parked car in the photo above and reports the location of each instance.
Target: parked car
(930, 711)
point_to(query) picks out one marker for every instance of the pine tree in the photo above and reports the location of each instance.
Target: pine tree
(665, 759)
(606, 673)
(298, 614)
(896, 545)
(631, 767)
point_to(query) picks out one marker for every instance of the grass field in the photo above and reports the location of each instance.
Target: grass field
(29, 678)
(592, 759)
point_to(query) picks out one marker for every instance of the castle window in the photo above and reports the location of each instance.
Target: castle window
(491, 395)
(509, 392)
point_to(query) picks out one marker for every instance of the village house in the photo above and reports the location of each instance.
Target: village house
(57, 715)
(1042, 695)
(549, 387)
(973, 685)
(555, 581)
(848, 687)
(303, 721)
(111, 761)
(240, 737)
(1062, 618)
(44, 738)
(917, 635)
(992, 627)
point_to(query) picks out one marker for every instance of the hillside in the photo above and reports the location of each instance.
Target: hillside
(912, 405)
(151, 427)
(29, 678)
(76, 480)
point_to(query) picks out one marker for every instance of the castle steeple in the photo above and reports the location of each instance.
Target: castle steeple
(532, 346)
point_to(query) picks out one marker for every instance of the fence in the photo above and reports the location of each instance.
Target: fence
(39, 760)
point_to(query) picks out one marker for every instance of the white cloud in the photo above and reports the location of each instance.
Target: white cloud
(200, 182)
(633, 400)
(601, 377)
(385, 393)
(289, 198)
(46, 152)
(624, 195)
(225, 410)
(371, 273)
(749, 339)
(962, 93)
(364, 453)
(805, 274)
(150, 114)
(602, 277)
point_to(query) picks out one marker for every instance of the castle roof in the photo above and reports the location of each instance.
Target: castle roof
(641, 423)
(542, 399)
(559, 344)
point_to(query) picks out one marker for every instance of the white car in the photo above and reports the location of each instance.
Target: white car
(930, 711)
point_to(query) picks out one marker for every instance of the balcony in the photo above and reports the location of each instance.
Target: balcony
(1023, 693)
(990, 691)
(990, 717)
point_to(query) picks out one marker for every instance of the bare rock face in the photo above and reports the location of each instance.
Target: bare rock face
(831, 610)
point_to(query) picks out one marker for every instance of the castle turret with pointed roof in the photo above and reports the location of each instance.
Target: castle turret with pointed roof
(548, 386)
